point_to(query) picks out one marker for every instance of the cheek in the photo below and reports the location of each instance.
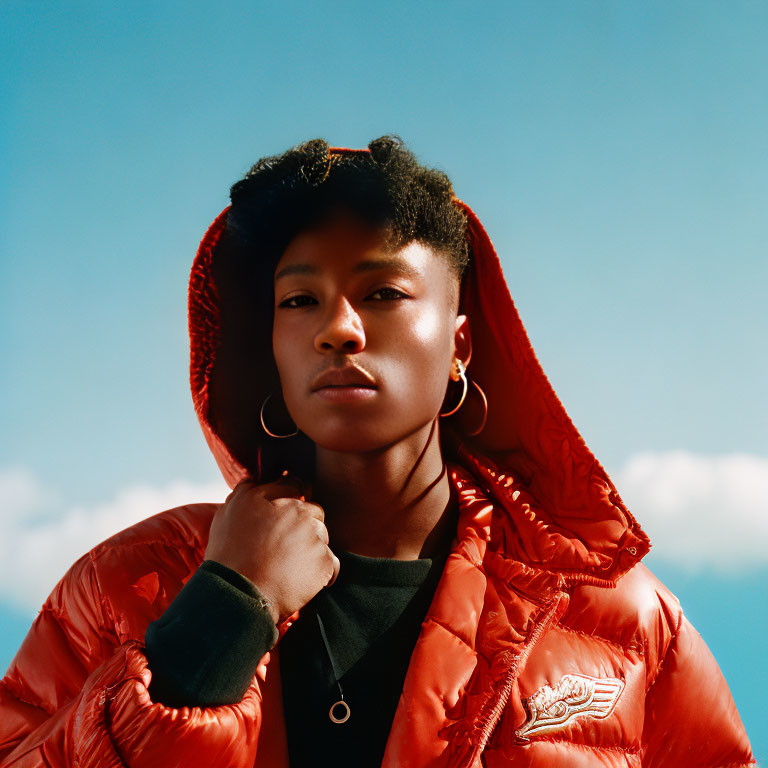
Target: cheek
(425, 351)
(428, 329)
(284, 353)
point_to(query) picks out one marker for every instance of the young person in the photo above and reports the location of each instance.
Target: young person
(421, 562)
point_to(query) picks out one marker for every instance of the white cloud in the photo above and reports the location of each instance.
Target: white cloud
(40, 538)
(700, 512)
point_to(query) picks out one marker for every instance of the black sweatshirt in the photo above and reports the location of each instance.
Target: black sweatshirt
(203, 651)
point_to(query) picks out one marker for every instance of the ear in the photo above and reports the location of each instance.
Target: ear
(462, 340)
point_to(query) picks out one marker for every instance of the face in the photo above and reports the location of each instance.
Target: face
(342, 298)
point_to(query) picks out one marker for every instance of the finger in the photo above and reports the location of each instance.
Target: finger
(322, 532)
(315, 510)
(283, 488)
(304, 485)
(336, 569)
(307, 509)
(244, 485)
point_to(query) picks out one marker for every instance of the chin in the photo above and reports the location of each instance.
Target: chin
(350, 439)
(358, 435)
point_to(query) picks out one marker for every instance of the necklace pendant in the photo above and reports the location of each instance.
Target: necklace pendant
(345, 706)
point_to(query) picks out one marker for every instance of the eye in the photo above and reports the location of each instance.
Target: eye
(285, 303)
(302, 300)
(393, 293)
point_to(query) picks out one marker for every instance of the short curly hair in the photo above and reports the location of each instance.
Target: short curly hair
(386, 186)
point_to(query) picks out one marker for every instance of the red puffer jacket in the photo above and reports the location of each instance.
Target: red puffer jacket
(547, 642)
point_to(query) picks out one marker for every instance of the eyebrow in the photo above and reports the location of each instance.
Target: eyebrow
(369, 265)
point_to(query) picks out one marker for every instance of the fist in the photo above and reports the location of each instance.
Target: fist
(273, 535)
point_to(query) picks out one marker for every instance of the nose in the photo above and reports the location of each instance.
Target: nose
(342, 329)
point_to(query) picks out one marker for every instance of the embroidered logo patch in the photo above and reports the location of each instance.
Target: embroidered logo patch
(552, 709)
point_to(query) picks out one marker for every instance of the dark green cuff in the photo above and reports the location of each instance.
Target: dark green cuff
(204, 650)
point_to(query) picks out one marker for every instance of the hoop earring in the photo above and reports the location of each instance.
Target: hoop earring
(459, 366)
(264, 426)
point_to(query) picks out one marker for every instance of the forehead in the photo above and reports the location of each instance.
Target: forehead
(347, 243)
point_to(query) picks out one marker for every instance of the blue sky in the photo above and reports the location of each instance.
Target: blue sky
(615, 152)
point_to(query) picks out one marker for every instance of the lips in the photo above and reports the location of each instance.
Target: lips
(349, 376)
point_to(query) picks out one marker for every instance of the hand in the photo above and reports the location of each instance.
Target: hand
(273, 535)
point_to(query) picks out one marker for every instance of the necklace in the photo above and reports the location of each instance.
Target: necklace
(340, 703)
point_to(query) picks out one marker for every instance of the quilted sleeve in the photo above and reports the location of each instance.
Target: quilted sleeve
(690, 716)
(74, 696)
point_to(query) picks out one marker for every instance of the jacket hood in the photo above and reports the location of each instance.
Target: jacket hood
(529, 457)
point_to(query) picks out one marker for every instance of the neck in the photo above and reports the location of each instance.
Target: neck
(394, 503)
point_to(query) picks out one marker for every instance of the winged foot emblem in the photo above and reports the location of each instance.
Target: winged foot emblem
(551, 709)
